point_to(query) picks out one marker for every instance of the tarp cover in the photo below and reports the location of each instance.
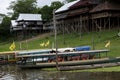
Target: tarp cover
(82, 48)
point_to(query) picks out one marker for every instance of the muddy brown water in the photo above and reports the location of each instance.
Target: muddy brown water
(12, 72)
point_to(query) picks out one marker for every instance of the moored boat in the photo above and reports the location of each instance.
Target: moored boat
(42, 59)
(92, 62)
(7, 57)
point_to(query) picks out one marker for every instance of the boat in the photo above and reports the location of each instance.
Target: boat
(7, 57)
(47, 58)
(84, 63)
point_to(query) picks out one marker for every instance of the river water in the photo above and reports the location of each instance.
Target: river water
(14, 73)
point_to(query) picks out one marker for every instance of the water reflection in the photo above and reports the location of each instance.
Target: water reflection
(14, 73)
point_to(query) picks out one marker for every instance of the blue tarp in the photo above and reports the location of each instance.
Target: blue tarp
(82, 48)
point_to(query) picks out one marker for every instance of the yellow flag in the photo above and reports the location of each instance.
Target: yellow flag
(42, 44)
(47, 43)
(107, 44)
(12, 46)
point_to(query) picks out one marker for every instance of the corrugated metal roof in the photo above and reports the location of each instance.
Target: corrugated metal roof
(14, 26)
(82, 3)
(66, 6)
(30, 17)
(13, 23)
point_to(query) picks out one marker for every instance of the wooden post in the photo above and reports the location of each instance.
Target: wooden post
(80, 27)
(93, 46)
(109, 23)
(104, 24)
(8, 57)
(118, 25)
(26, 44)
(63, 32)
(20, 46)
(55, 28)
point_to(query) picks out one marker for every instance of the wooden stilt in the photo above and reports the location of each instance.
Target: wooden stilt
(109, 23)
(118, 25)
(93, 47)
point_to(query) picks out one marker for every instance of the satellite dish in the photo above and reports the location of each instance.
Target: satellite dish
(119, 34)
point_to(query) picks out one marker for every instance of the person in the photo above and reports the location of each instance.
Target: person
(24, 60)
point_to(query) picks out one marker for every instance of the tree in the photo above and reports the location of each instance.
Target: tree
(5, 23)
(56, 5)
(5, 28)
(47, 11)
(23, 6)
(67, 1)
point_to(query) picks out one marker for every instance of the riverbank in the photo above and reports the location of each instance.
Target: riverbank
(13, 73)
(72, 40)
(103, 69)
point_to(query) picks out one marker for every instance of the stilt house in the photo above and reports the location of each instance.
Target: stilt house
(88, 15)
(27, 25)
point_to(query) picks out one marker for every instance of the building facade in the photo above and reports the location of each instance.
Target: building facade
(27, 25)
(88, 15)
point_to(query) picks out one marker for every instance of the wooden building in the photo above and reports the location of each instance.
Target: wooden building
(106, 15)
(88, 15)
(27, 25)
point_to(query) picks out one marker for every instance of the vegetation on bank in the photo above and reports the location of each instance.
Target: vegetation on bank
(108, 69)
(72, 40)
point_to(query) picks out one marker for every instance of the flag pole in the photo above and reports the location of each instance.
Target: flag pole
(15, 50)
(55, 32)
(109, 44)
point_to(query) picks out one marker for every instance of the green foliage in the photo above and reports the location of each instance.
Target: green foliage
(109, 69)
(56, 4)
(73, 40)
(47, 11)
(23, 6)
(5, 28)
(69, 1)
(5, 23)
(2, 14)
(29, 6)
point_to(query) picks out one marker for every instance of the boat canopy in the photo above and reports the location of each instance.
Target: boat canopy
(66, 53)
(33, 52)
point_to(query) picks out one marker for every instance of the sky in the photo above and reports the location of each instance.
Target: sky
(4, 4)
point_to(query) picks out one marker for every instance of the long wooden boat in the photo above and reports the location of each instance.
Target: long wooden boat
(7, 57)
(41, 60)
(71, 63)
